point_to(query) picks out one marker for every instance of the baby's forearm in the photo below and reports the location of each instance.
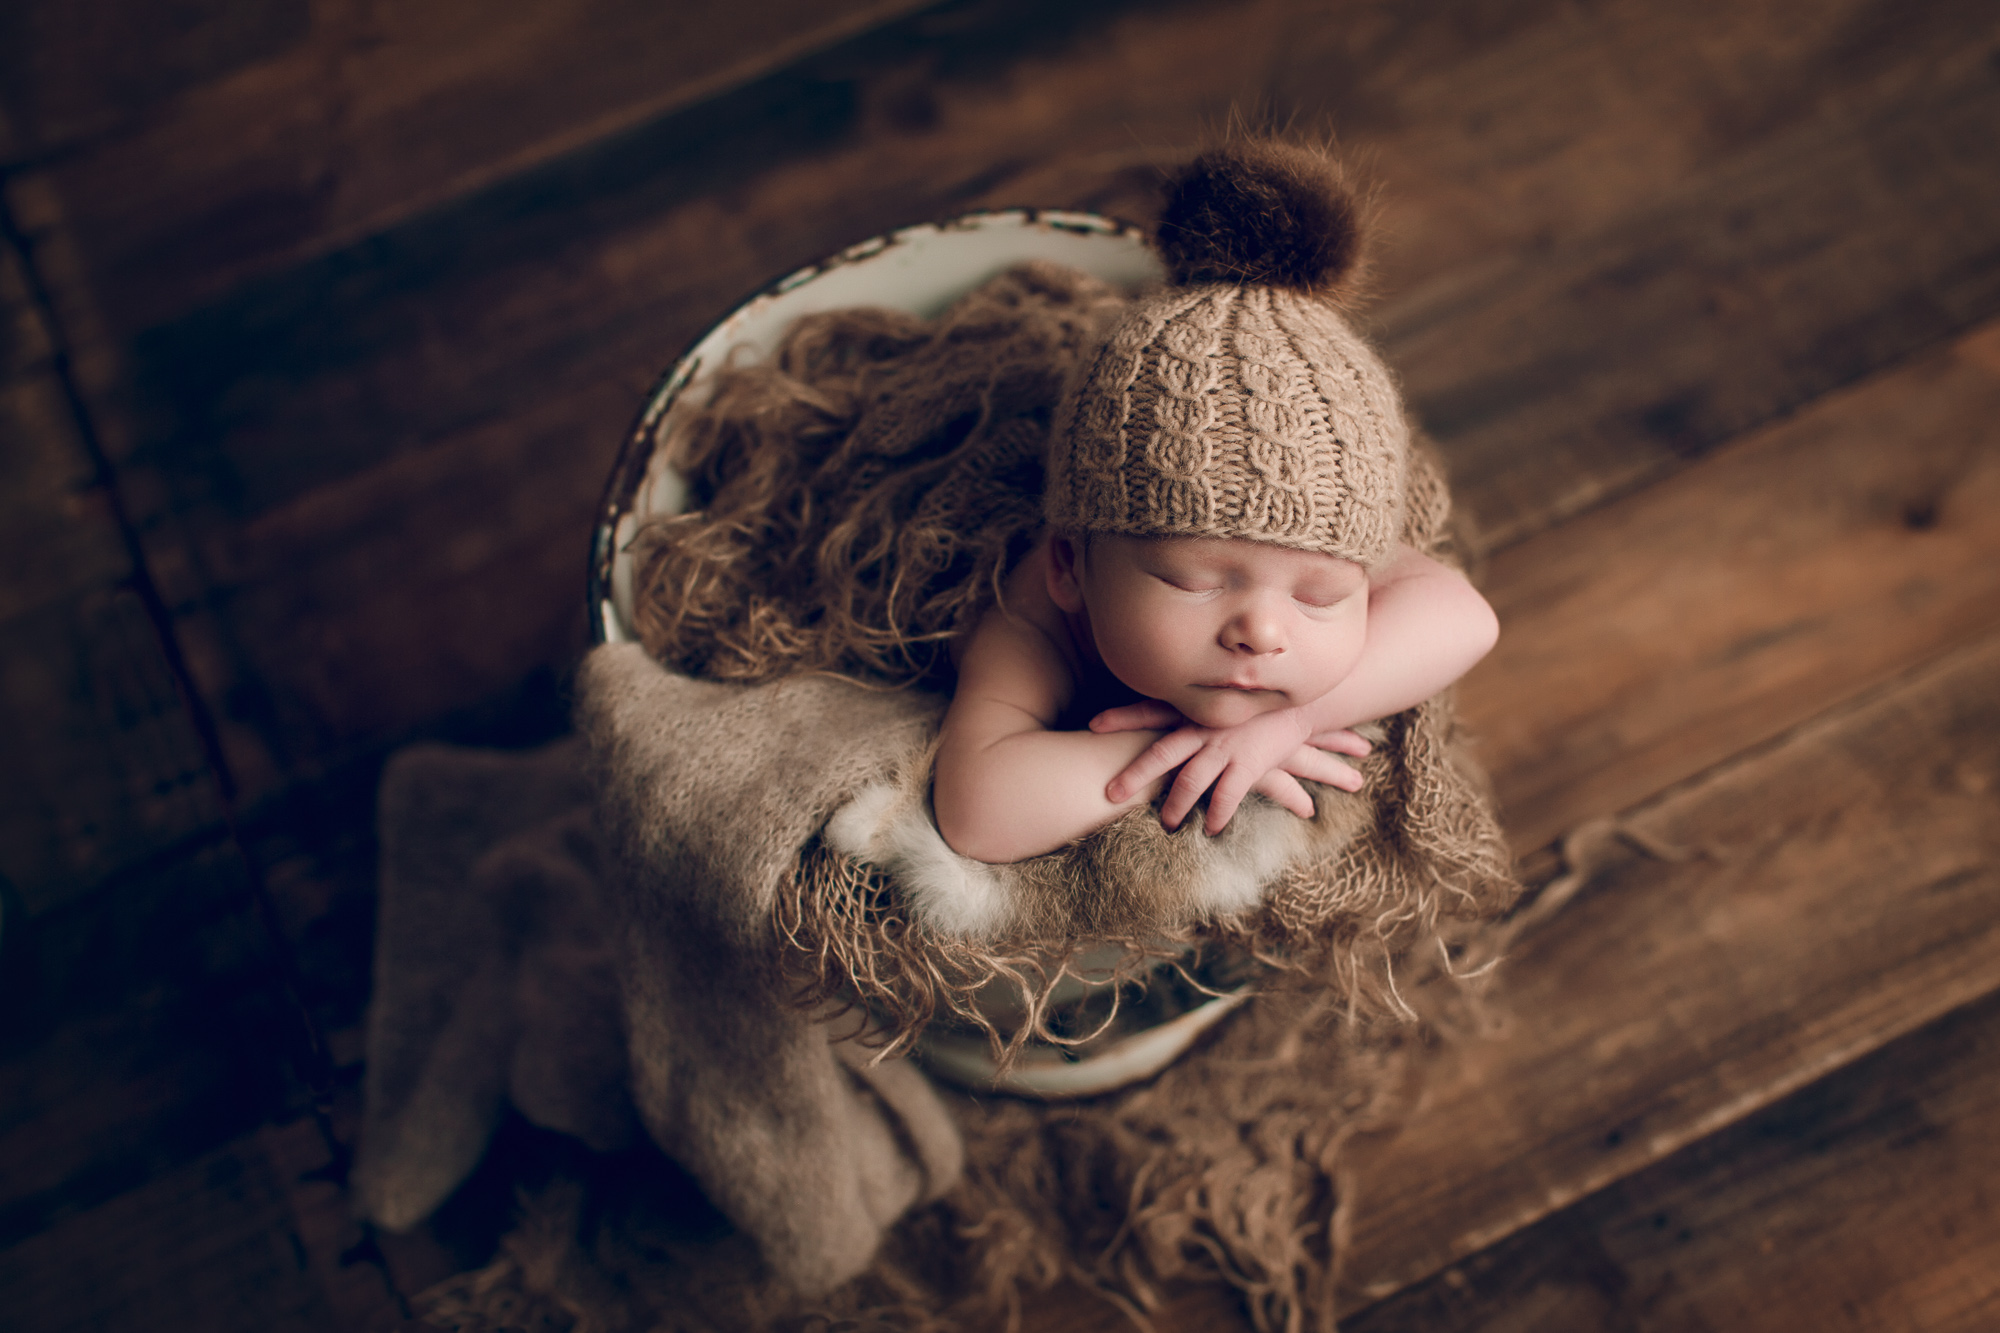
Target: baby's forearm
(1031, 792)
(1425, 630)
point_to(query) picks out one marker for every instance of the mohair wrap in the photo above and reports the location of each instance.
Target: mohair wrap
(1238, 402)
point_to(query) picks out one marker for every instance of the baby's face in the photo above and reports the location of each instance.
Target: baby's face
(1222, 629)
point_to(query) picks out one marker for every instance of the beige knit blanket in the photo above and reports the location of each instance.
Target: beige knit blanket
(593, 935)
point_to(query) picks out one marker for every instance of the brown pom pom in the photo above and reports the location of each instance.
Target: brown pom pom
(1264, 212)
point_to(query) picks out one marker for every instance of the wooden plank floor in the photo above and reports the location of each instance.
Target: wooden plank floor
(319, 324)
(1677, 994)
(1863, 1201)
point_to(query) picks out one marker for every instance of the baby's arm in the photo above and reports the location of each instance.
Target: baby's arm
(1426, 627)
(1006, 786)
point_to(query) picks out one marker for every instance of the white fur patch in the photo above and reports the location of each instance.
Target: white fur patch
(1267, 838)
(882, 827)
(888, 826)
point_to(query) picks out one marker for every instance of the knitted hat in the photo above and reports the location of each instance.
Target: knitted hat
(1237, 402)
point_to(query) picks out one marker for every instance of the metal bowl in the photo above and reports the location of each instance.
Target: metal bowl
(921, 269)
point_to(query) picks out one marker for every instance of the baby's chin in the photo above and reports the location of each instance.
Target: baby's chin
(1227, 708)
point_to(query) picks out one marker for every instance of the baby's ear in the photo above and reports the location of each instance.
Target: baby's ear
(1065, 574)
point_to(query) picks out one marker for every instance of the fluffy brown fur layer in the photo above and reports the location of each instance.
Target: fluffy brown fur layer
(1378, 882)
(1226, 1168)
(854, 504)
(1263, 212)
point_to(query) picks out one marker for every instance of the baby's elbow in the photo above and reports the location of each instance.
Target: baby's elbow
(962, 819)
(1483, 627)
(1474, 629)
(975, 840)
(952, 826)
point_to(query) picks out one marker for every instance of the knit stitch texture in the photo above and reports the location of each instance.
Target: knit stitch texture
(1239, 402)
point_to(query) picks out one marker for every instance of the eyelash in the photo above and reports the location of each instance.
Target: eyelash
(1302, 601)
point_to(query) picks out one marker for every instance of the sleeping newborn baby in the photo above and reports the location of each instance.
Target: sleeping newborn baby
(1221, 589)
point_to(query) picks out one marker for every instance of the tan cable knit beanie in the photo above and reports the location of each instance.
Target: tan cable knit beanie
(1237, 402)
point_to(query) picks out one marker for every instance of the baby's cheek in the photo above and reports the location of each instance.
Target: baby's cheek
(1342, 649)
(1144, 657)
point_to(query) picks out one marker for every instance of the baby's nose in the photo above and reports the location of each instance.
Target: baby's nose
(1254, 629)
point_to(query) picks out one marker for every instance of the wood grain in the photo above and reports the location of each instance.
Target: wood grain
(473, 335)
(342, 1258)
(205, 1246)
(1661, 634)
(243, 1238)
(1792, 271)
(103, 770)
(72, 72)
(1864, 1201)
(318, 125)
(54, 541)
(142, 1031)
(1839, 893)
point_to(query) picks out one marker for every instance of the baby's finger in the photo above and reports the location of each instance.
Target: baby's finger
(1196, 775)
(1319, 766)
(1342, 742)
(1146, 715)
(1229, 791)
(1285, 790)
(1156, 760)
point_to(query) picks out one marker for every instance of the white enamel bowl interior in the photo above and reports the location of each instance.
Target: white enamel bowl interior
(920, 269)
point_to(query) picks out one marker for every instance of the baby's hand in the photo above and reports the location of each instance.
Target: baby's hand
(1268, 754)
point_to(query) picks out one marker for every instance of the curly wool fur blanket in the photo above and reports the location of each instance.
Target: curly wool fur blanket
(594, 935)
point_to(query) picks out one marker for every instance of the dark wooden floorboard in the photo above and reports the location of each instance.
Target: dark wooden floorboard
(349, 118)
(104, 769)
(204, 1246)
(247, 1238)
(1804, 905)
(1663, 633)
(1862, 1202)
(1711, 310)
(143, 1027)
